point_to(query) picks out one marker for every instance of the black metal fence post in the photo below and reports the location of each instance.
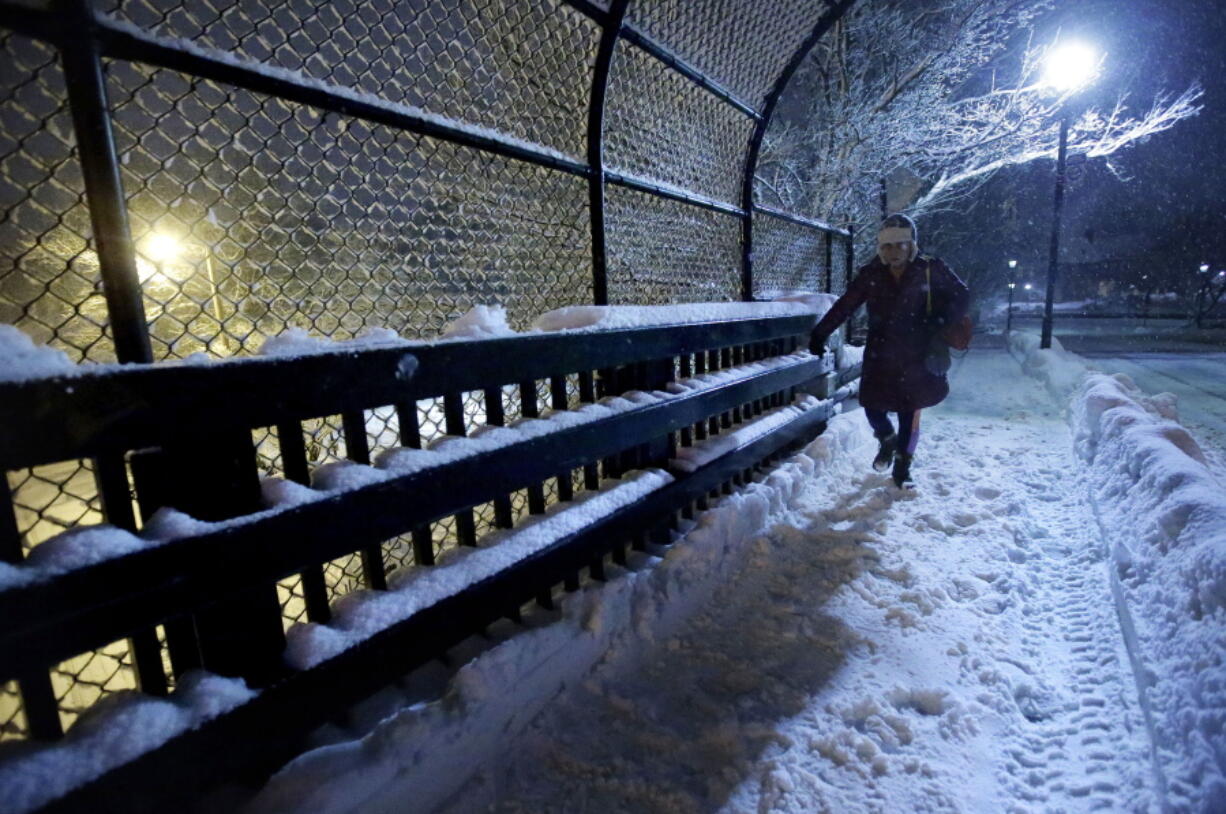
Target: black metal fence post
(849, 253)
(87, 98)
(832, 14)
(595, 148)
(829, 247)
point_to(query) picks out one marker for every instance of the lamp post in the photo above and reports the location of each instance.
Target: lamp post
(162, 248)
(1201, 290)
(1012, 285)
(1070, 67)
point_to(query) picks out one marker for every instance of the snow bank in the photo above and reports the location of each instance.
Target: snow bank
(1060, 371)
(22, 358)
(615, 317)
(428, 751)
(115, 731)
(480, 322)
(1163, 517)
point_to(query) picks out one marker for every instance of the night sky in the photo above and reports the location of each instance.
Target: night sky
(1170, 210)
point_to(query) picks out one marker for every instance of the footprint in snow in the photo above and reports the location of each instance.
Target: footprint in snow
(965, 519)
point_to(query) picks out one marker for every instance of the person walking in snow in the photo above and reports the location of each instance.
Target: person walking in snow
(910, 298)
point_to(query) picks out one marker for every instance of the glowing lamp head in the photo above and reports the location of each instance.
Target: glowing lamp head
(160, 247)
(1204, 267)
(1012, 264)
(1027, 286)
(1070, 66)
(1012, 286)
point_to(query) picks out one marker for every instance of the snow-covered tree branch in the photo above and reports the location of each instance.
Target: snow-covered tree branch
(949, 95)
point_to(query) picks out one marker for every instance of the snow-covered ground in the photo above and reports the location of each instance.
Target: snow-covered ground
(954, 649)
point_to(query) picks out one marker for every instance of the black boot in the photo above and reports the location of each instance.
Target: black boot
(902, 471)
(885, 451)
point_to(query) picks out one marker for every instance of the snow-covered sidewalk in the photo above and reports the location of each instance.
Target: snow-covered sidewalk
(952, 649)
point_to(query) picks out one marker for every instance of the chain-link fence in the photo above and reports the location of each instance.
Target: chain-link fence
(337, 167)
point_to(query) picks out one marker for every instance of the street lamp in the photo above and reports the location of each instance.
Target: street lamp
(1012, 285)
(1201, 291)
(163, 248)
(1069, 68)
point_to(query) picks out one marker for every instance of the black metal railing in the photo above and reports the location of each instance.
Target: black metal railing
(182, 436)
(196, 178)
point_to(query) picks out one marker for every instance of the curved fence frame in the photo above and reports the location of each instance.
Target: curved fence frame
(95, 36)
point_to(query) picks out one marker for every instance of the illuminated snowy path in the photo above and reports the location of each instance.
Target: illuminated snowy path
(954, 649)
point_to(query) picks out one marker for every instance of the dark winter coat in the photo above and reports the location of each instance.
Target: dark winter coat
(894, 376)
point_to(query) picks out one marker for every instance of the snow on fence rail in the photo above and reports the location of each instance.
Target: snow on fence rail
(1162, 514)
(690, 408)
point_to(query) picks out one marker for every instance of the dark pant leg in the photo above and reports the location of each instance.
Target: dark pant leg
(908, 431)
(879, 420)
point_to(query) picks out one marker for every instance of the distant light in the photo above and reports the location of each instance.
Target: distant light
(1070, 66)
(1012, 264)
(1027, 286)
(1204, 267)
(160, 247)
(1012, 286)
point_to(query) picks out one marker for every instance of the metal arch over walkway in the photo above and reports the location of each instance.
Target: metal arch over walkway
(678, 98)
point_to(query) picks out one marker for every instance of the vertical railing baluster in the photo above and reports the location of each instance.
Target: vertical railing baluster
(725, 362)
(410, 436)
(296, 467)
(357, 449)
(495, 416)
(214, 479)
(558, 401)
(111, 477)
(587, 395)
(700, 368)
(531, 409)
(610, 383)
(685, 371)
(453, 420)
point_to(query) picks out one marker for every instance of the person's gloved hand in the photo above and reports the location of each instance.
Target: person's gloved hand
(817, 344)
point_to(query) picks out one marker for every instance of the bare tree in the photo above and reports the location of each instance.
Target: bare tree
(948, 93)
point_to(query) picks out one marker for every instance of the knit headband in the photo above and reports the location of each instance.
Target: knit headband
(894, 234)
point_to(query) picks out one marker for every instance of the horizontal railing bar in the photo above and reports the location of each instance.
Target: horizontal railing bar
(137, 406)
(664, 54)
(48, 621)
(848, 373)
(475, 365)
(812, 223)
(668, 57)
(258, 737)
(49, 420)
(681, 196)
(135, 46)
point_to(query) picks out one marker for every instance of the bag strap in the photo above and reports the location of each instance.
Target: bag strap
(928, 277)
